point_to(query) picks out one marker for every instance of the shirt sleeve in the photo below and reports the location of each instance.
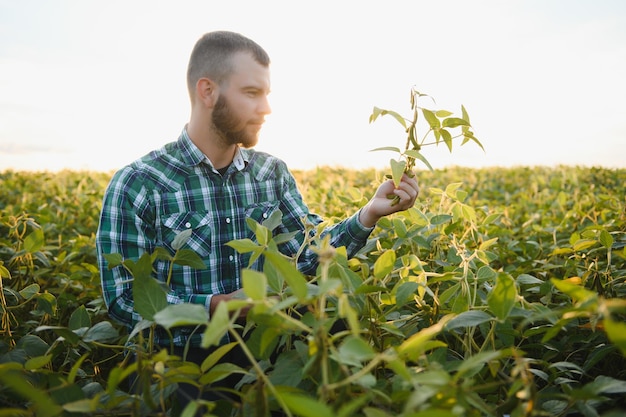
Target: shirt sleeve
(350, 232)
(127, 227)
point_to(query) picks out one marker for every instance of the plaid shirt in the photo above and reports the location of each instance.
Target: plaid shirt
(176, 188)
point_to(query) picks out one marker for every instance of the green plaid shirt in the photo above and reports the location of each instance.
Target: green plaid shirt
(176, 188)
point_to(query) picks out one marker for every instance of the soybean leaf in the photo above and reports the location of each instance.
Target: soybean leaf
(254, 284)
(454, 122)
(181, 239)
(113, 259)
(218, 326)
(616, 331)
(34, 241)
(469, 318)
(432, 119)
(413, 153)
(190, 258)
(148, 295)
(397, 170)
(381, 112)
(384, 264)
(413, 347)
(503, 296)
(289, 272)
(79, 319)
(30, 291)
(303, 405)
(447, 138)
(185, 314)
(577, 292)
(274, 220)
(244, 245)
(101, 332)
(37, 362)
(353, 351)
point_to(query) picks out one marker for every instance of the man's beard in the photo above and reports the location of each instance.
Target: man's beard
(225, 122)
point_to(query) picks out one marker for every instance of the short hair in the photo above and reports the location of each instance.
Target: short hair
(212, 53)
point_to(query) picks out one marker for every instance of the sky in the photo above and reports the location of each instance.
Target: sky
(93, 85)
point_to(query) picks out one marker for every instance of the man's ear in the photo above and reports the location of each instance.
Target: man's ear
(206, 92)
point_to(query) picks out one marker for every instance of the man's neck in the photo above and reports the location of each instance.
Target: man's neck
(220, 154)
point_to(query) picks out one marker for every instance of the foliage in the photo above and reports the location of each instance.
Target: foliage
(441, 124)
(500, 293)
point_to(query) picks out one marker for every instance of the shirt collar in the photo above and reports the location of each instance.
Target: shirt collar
(194, 156)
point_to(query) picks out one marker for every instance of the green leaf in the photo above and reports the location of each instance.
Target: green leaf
(447, 138)
(37, 362)
(606, 385)
(454, 122)
(42, 402)
(606, 239)
(413, 347)
(397, 170)
(384, 264)
(185, 314)
(432, 119)
(190, 258)
(4, 272)
(47, 303)
(443, 113)
(440, 219)
(353, 351)
(162, 254)
(244, 245)
(616, 331)
(263, 235)
(464, 114)
(181, 239)
(526, 279)
(576, 292)
(470, 366)
(381, 112)
(469, 318)
(101, 332)
(34, 241)
(215, 356)
(406, 292)
(148, 295)
(30, 291)
(274, 220)
(503, 296)
(218, 326)
(388, 148)
(79, 319)
(289, 272)
(32, 345)
(303, 405)
(413, 153)
(63, 332)
(254, 284)
(113, 259)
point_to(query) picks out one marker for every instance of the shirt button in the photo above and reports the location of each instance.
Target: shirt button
(265, 215)
(231, 257)
(228, 220)
(187, 225)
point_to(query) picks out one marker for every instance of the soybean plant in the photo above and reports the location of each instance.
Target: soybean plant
(441, 125)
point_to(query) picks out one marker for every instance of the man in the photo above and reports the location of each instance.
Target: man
(210, 181)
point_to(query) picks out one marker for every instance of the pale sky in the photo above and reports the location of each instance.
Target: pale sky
(95, 84)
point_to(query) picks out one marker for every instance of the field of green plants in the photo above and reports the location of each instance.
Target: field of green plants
(501, 293)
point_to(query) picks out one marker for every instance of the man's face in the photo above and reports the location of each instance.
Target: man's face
(242, 104)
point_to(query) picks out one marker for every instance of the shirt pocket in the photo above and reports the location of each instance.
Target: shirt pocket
(259, 212)
(199, 222)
